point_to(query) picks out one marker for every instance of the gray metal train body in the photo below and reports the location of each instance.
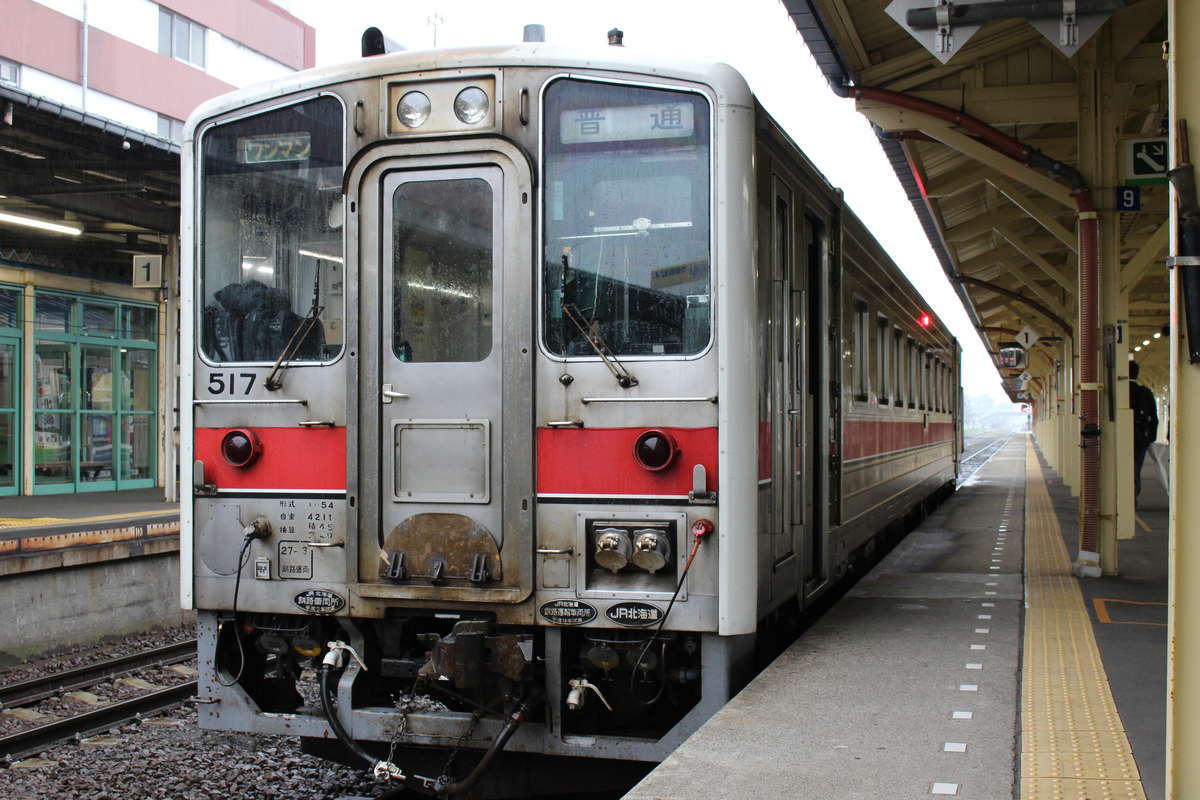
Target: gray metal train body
(482, 349)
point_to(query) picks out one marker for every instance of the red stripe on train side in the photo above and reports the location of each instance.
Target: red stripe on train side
(292, 458)
(869, 437)
(599, 461)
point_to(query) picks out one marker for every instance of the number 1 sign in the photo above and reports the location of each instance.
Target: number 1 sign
(147, 272)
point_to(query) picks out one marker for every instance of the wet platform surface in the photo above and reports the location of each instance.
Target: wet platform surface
(48, 532)
(55, 513)
(931, 678)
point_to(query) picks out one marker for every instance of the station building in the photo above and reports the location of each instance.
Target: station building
(93, 94)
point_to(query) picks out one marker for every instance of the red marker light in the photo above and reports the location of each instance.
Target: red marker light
(240, 447)
(925, 320)
(654, 450)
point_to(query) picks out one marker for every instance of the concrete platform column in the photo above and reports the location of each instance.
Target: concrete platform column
(1102, 101)
(1183, 601)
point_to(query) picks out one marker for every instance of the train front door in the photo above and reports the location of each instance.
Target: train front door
(451, 412)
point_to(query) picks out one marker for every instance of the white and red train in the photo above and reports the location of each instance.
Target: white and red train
(525, 388)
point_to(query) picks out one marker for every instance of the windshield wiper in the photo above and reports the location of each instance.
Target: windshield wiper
(589, 332)
(273, 383)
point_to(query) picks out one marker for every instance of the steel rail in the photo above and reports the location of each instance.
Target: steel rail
(35, 689)
(996, 445)
(34, 740)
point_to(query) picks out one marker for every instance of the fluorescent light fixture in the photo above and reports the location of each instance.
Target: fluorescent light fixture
(320, 256)
(16, 151)
(265, 270)
(1158, 335)
(1137, 349)
(40, 224)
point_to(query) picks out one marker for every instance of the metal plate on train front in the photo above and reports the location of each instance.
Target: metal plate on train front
(295, 560)
(567, 612)
(319, 601)
(310, 520)
(633, 614)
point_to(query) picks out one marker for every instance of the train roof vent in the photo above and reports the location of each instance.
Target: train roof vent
(535, 33)
(616, 37)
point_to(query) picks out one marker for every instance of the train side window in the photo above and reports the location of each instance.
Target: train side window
(898, 365)
(882, 367)
(926, 381)
(936, 381)
(941, 384)
(862, 335)
(911, 362)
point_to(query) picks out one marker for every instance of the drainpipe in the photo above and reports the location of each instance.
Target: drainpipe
(1087, 564)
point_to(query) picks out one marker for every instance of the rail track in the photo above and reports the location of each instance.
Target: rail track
(35, 739)
(971, 463)
(35, 689)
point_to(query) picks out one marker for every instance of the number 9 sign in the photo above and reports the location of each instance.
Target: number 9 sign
(1129, 198)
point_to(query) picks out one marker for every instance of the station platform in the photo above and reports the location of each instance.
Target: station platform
(46, 531)
(969, 663)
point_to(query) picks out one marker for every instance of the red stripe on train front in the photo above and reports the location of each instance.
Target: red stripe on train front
(292, 458)
(599, 461)
(869, 437)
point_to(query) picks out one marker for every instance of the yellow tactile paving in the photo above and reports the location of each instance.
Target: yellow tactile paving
(25, 522)
(1072, 789)
(33, 522)
(1073, 746)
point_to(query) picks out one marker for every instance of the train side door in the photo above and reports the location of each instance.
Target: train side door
(784, 441)
(813, 357)
(449, 436)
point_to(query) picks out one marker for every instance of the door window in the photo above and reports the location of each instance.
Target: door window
(442, 271)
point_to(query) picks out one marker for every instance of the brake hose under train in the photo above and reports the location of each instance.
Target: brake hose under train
(386, 769)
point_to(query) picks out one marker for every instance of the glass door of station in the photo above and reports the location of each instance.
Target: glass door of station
(95, 402)
(10, 391)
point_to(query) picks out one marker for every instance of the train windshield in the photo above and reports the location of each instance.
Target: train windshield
(271, 256)
(627, 207)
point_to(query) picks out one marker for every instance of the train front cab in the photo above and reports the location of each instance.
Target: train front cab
(467, 424)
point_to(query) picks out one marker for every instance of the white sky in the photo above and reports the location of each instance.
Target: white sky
(754, 36)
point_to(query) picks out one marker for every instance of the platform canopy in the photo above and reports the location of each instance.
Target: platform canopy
(1087, 90)
(119, 186)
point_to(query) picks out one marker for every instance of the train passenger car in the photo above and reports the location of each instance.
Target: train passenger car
(524, 388)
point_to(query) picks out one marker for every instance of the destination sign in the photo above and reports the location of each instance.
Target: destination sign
(274, 147)
(627, 123)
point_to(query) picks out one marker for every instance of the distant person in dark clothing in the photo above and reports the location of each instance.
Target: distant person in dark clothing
(1145, 423)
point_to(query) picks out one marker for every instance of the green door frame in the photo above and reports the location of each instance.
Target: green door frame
(120, 344)
(12, 337)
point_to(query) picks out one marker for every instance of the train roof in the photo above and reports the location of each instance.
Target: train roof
(728, 84)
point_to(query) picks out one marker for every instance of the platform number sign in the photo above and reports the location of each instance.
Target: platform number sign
(1027, 337)
(1129, 198)
(147, 272)
(1146, 162)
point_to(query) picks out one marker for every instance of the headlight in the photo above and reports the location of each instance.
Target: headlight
(471, 105)
(413, 109)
